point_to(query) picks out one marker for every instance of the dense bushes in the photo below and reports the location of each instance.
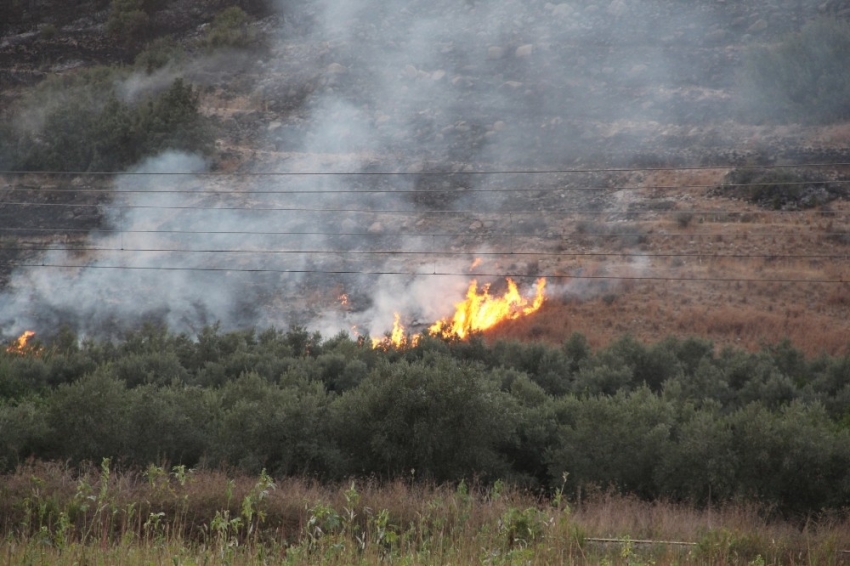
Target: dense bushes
(128, 20)
(780, 189)
(229, 29)
(805, 77)
(675, 419)
(83, 122)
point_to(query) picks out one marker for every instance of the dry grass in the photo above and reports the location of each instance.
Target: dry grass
(741, 280)
(52, 514)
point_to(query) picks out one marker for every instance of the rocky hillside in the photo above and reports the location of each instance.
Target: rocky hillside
(660, 162)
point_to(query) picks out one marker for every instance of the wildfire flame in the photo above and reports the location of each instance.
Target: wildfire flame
(343, 299)
(19, 346)
(475, 263)
(481, 310)
(398, 338)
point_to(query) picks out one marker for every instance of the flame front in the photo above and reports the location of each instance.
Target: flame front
(481, 310)
(398, 338)
(19, 346)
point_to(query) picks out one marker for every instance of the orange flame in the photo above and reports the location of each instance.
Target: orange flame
(475, 263)
(19, 346)
(343, 299)
(481, 310)
(398, 338)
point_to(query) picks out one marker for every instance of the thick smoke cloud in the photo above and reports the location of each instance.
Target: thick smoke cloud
(363, 86)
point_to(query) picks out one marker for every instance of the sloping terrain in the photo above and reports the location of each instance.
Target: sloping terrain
(377, 150)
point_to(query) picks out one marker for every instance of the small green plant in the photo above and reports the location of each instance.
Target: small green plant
(522, 527)
(127, 21)
(230, 28)
(159, 53)
(683, 219)
(323, 520)
(253, 513)
(48, 32)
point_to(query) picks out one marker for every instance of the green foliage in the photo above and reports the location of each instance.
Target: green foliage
(128, 21)
(230, 29)
(441, 419)
(616, 441)
(159, 53)
(805, 77)
(673, 420)
(48, 32)
(80, 123)
(780, 189)
(522, 527)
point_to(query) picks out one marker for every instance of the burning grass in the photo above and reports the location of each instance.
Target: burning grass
(480, 311)
(23, 345)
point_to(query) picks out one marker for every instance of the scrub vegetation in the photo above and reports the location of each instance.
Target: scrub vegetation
(84, 122)
(242, 447)
(674, 421)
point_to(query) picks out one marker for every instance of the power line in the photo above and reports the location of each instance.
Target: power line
(436, 252)
(446, 253)
(435, 273)
(397, 191)
(18, 172)
(583, 211)
(376, 235)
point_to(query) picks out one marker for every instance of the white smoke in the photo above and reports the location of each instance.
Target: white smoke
(394, 86)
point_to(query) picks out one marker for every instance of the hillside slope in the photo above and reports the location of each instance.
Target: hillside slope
(376, 150)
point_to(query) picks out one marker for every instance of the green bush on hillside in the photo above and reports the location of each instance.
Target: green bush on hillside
(80, 123)
(128, 21)
(803, 78)
(159, 53)
(229, 29)
(780, 189)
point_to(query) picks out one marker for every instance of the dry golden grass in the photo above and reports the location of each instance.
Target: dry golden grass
(738, 278)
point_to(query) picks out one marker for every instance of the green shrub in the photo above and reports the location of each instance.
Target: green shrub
(780, 189)
(84, 125)
(48, 32)
(805, 77)
(229, 29)
(128, 21)
(159, 53)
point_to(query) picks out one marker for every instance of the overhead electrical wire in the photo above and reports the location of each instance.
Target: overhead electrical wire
(489, 234)
(435, 252)
(19, 172)
(583, 211)
(402, 192)
(436, 273)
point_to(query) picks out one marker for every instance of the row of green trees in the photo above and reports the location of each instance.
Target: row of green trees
(673, 420)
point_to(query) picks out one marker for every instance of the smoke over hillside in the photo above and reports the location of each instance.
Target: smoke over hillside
(410, 88)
